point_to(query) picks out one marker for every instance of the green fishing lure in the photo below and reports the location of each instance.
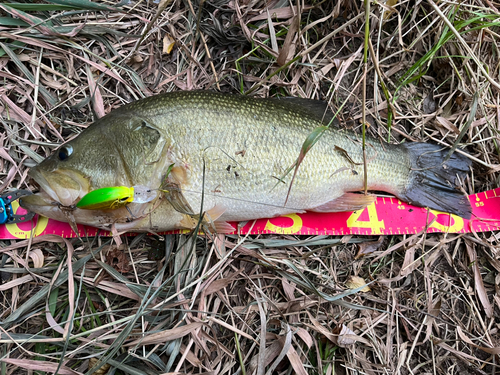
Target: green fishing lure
(111, 198)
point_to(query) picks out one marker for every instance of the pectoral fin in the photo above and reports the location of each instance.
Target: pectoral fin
(174, 195)
(345, 203)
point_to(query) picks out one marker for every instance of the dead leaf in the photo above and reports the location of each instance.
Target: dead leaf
(366, 248)
(289, 289)
(285, 12)
(434, 310)
(457, 353)
(429, 105)
(95, 93)
(38, 258)
(168, 43)
(305, 336)
(167, 335)
(44, 366)
(16, 282)
(478, 280)
(346, 337)
(118, 260)
(102, 370)
(355, 282)
(190, 357)
(390, 4)
(447, 124)
(272, 33)
(217, 285)
(320, 329)
(409, 264)
(288, 48)
(296, 362)
(272, 351)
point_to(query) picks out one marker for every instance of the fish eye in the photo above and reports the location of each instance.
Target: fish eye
(64, 152)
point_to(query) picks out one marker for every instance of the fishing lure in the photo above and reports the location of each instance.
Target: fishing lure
(111, 198)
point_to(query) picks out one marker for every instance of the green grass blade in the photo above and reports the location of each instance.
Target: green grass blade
(84, 5)
(472, 116)
(33, 7)
(9, 21)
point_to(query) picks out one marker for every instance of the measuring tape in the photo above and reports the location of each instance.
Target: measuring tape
(387, 216)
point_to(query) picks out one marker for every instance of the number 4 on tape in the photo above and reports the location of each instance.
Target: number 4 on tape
(373, 222)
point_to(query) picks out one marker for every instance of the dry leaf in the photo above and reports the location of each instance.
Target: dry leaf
(118, 260)
(296, 362)
(388, 13)
(447, 124)
(190, 357)
(37, 257)
(409, 264)
(320, 329)
(272, 33)
(355, 282)
(285, 12)
(305, 336)
(429, 105)
(44, 366)
(16, 282)
(167, 335)
(434, 310)
(346, 336)
(168, 43)
(272, 351)
(102, 370)
(112, 287)
(288, 49)
(478, 280)
(366, 248)
(217, 285)
(95, 94)
(289, 289)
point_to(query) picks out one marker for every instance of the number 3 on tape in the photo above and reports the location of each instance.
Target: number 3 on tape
(295, 227)
(373, 222)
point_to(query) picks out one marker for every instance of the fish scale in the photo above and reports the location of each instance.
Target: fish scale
(271, 146)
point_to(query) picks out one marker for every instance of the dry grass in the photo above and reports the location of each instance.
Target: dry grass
(269, 304)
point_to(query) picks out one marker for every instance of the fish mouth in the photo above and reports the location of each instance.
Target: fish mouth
(60, 187)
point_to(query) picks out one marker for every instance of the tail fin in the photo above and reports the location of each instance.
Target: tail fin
(433, 183)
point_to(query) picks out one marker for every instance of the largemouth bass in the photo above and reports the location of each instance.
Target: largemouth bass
(222, 157)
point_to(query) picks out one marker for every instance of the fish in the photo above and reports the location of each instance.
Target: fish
(215, 158)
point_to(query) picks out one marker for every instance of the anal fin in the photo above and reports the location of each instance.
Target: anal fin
(223, 227)
(345, 203)
(209, 222)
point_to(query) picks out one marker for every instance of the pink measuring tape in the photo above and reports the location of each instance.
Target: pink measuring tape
(386, 216)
